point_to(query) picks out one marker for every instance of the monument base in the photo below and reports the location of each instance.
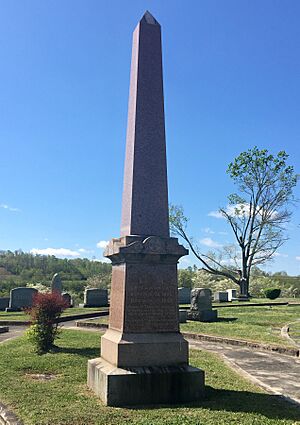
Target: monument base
(128, 350)
(203, 316)
(12, 309)
(144, 385)
(243, 298)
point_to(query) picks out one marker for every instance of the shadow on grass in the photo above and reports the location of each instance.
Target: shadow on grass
(89, 353)
(270, 406)
(226, 319)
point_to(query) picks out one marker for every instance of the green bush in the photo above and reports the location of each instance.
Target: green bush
(272, 293)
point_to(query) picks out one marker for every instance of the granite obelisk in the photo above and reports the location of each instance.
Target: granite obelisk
(144, 358)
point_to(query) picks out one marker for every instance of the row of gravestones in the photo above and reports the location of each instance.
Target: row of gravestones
(184, 295)
(22, 297)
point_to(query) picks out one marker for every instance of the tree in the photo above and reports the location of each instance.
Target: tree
(185, 277)
(257, 216)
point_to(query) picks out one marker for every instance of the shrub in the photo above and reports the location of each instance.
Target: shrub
(45, 311)
(272, 293)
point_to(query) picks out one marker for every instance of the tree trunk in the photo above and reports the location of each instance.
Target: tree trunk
(244, 288)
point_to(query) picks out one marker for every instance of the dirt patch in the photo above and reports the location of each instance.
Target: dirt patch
(41, 376)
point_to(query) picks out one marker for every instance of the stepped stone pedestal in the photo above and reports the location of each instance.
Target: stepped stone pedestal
(144, 358)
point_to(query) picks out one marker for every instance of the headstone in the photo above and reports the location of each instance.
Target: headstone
(144, 358)
(201, 306)
(21, 298)
(4, 303)
(221, 297)
(182, 316)
(68, 299)
(232, 294)
(95, 297)
(56, 284)
(184, 296)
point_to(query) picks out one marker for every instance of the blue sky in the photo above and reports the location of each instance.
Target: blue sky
(231, 80)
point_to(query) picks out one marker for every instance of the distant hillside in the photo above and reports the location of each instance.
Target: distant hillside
(19, 269)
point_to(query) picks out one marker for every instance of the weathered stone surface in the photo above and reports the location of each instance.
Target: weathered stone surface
(201, 306)
(149, 302)
(21, 298)
(95, 297)
(203, 316)
(128, 350)
(221, 297)
(144, 385)
(184, 296)
(201, 299)
(4, 303)
(56, 283)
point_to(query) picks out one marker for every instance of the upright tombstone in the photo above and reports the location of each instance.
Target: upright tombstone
(232, 294)
(184, 295)
(221, 297)
(201, 306)
(56, 284)
(67, 299)
(21, 298)
(144, 358)
(4, 303)
(95, 297)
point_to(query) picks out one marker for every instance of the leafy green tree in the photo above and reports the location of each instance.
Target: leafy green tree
(257, 216)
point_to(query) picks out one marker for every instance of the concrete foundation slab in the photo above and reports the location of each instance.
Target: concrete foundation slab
(144, 385)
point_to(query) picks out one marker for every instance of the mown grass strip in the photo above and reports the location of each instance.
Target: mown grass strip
(65, 399)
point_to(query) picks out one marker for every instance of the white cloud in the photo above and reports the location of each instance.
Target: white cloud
(101, 260)
(208, 230)
(215, 214)
(58, 252)
(298, 258)
(278, 254)
(239, 210)
(211, 243)
(85, 251)
(102, 244)
(232, 210)
(7, 207)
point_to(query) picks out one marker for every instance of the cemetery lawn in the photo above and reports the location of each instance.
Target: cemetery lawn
(65, 400)
(20, 316)
(259, 324)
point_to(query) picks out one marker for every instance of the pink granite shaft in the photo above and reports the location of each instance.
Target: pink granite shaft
(145, 194)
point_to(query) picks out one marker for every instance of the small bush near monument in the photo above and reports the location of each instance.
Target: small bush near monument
(272, 293)
(46, 309)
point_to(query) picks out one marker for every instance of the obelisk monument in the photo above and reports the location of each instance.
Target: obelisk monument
(144, 358)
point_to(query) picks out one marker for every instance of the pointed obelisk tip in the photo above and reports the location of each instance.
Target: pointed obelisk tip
(149, 19)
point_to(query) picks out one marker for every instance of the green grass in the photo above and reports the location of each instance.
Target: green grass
(260, 324)
(66, 400)
(252, 300)
(19, 315)
(294, 331)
